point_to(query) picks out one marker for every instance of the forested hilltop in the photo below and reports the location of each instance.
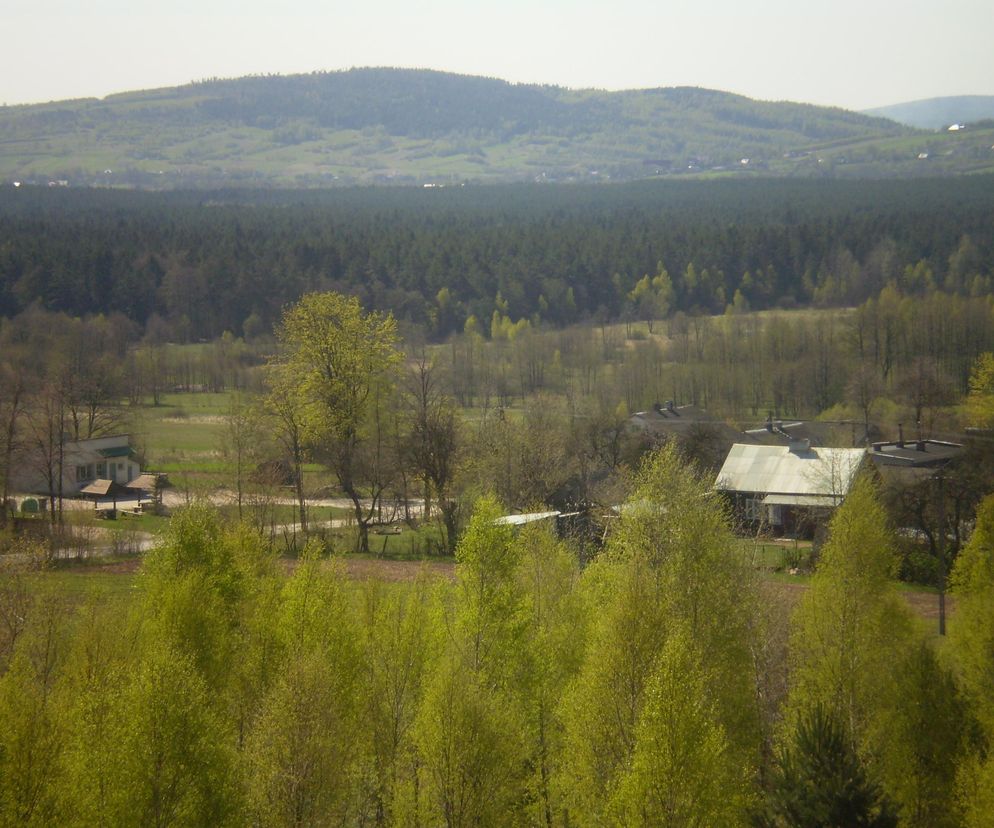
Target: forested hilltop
(197, 264)
(396, 125)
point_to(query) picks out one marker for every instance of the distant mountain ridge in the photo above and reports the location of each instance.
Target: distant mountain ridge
(422, 126)
(936, 113)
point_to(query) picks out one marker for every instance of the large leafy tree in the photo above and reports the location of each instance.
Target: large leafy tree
(338, 359)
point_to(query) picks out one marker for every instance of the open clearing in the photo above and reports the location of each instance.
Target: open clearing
(119, 576)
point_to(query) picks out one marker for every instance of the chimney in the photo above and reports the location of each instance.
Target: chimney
(799, 446)
(920, 445)
(900, 435)
(657, 408)
(769, 422)
(669, 406)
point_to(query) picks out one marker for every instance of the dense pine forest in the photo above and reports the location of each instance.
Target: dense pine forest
(199, 264)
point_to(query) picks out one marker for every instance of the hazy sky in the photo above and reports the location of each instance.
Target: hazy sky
(850, 53)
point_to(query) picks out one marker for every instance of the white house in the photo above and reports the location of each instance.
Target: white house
(83, 461)
(784, 486)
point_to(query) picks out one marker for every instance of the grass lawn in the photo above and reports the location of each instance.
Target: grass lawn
(186, 432)
(775, 555)
(184, 436)
(150, 524)
(424, 542)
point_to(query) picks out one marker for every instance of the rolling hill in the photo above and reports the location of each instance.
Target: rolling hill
(937, 113)
(419, 126)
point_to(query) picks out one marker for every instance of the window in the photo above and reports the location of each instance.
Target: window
(81, 474)
(753, 509)
(102, 470)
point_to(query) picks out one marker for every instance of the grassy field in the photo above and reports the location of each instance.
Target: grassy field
(185, 435)
(185, 432)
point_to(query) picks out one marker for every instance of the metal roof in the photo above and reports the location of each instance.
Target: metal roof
(520, 520)
(116, 451)
(802, 500)
(779, 470)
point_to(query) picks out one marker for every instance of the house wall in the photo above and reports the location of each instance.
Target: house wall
(82, 463)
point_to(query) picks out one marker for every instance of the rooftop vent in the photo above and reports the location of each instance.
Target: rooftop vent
(800, 446)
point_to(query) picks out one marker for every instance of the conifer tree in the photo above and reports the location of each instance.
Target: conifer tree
(820, 782)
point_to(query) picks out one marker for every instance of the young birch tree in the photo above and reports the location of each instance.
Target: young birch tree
(669, 594)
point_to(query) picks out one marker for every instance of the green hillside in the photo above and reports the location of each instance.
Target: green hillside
(939, 113)
(413, 126)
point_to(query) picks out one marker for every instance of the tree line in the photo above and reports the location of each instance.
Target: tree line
(199, 264)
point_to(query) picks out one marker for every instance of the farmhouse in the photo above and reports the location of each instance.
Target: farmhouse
(109, 458)
(789, 488)
(697, 432)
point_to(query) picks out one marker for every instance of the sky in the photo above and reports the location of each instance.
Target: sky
(851, 53)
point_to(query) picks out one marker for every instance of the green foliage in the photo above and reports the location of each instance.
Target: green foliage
(174, 761)
(905, 722)
(31, 735)
(972, 629)
(850, 620)
(335, 355)
(819, 781)
(332, 127)
(670, 571)
(525, 692)
(470, 745)
(980, 402)
(682, 771)
(403, 644)
(489, 620)
(303, 742)
(188, 271)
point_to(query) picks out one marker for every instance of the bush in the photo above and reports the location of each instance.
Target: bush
(918, 566)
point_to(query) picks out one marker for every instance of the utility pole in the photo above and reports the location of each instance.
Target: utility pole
(940, 481)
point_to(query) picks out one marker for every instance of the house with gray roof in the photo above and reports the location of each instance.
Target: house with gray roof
(788, 488)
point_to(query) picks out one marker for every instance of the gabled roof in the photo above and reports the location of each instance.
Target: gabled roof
(796, 470)
(103, 488)
(148, 482)
(663, 422)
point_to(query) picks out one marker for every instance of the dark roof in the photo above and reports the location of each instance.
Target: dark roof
(116, 451)
(667, 421)
(103, 488)
(915, 453)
